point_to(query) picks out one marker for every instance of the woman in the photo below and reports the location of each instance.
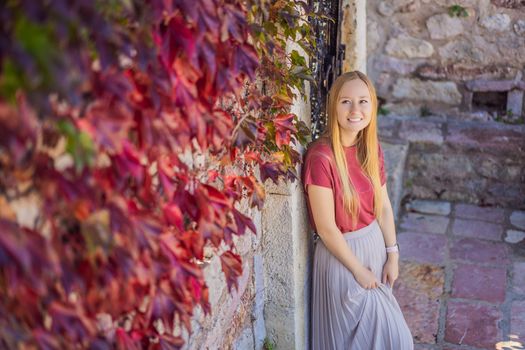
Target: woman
(356, 257)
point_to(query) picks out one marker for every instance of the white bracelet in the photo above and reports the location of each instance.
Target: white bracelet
(393, 249)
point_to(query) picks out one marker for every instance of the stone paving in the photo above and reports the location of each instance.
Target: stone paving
(462, 275)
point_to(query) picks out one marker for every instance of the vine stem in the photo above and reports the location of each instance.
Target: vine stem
(239, 124)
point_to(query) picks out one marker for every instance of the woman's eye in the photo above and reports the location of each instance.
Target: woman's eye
(363, 101)
(346, 101)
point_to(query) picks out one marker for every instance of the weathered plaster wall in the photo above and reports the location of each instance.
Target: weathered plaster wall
(287, 255)
(236, 321)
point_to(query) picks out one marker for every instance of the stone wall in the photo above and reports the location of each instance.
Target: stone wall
(464, 58)
(467, 161)
(236, 321)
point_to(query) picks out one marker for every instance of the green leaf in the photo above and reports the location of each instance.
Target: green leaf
(78, 144)
(38, 41)
(297, 59)
(11, 80)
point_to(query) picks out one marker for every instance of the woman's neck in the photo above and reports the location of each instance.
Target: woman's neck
(348, 140)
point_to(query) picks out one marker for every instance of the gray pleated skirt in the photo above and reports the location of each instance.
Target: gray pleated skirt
(344, 314)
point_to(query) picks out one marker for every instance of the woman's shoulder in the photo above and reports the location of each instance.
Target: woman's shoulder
(319, 149)
(321, 145)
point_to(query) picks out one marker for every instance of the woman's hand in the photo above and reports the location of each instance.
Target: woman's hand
(366, 278)
(391, 269)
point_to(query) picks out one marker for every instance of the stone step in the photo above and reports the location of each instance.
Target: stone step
(395, 158)
(469, 161)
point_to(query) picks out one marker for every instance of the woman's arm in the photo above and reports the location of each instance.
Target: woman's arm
(322, 205)
(386, 222)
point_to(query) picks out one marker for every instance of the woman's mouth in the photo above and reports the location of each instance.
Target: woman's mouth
(354, 119)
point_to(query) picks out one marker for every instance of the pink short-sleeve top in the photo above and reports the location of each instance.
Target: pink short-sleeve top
(319, 169)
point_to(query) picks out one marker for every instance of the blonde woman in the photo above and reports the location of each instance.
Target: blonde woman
(356, 254)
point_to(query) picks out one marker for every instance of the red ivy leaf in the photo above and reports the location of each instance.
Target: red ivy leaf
(251, 156)
(107, 124)
(255, 190)
(284, 122)
(127, 342)
(169, 342)
(242, 221)
(282, 138)
(193, 240)
(270, 170)
(232, 267)
(71, 321)
(283, 128)
(173, 216)
(162, 307)
(245, 60)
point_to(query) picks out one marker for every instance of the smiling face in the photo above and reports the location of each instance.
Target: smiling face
(354, 110)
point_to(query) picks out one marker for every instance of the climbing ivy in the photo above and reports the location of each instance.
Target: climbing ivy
(140, 128)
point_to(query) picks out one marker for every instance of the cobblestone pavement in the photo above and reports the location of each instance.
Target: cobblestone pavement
(462, 276)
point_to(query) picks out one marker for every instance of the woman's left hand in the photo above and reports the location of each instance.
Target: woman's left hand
(391, 269)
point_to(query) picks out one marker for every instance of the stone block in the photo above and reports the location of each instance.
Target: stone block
(461, 51)
(418, 292)
(424, 223)
(403, 108)
(422, 247)
(465, 72)
(519, 27)
(517, 319)
(432, 91)
(230, 314)
(281, 329)
(443, 26)
(479, 251)
(472, 324)
(281, 188)
(390, 64)
(489, 138)
(405, 46)
(423, 347)
(259, 327)
(395, 158)
(215, 280)
(477, 229)
(429, 207)
(509, 4)
(498, 22)
(277, 252)
(383, 82)
(483, 85)
(517, 218)
(385, 8)
(421, 131)
(480, 283)
(515, 102)
(518, 277)
(387, 127)
(245, 340)
(514, 236)
(374, 36)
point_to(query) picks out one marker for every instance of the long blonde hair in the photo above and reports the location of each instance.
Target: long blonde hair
(367, 147)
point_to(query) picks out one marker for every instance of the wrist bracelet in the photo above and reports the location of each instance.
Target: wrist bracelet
(392, 249)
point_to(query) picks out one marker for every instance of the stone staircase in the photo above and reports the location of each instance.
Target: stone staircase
(443, 158)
